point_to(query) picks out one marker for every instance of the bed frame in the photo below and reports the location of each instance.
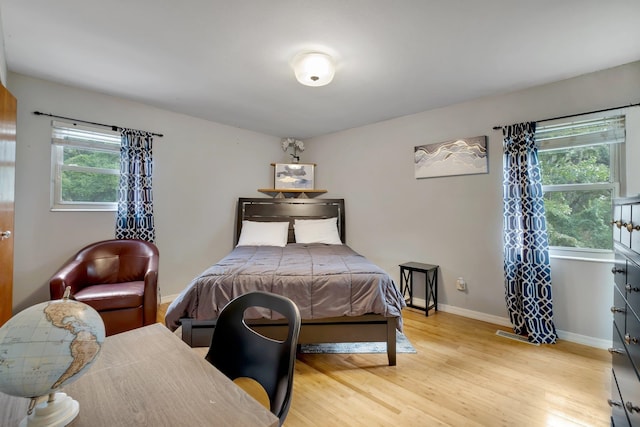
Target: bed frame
(366, 328)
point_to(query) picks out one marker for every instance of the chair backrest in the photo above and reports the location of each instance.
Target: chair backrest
(105, 262)
(118, 260)
(239, 351)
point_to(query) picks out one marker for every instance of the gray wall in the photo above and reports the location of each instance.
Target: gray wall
(201, 168)
(456, 222)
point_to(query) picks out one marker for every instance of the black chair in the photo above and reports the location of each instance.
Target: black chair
(239, 351)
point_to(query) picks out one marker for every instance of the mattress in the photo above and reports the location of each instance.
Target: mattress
(323, 280)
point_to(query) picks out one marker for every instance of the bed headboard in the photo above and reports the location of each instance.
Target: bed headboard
(288, 209)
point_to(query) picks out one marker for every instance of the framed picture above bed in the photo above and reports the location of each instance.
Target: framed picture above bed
(464, 156)
(294, 176)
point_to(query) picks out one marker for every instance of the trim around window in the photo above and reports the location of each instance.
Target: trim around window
(568, 186)
(90, 142)
(581, 254)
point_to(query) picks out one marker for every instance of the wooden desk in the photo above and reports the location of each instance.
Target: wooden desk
(148, 376)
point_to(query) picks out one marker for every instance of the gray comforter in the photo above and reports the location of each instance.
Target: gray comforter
(323, 280)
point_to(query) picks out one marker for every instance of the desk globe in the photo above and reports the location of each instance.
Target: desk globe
(44, 348)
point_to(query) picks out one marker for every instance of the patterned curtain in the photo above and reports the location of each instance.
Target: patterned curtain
(526, 247)
(135, 197)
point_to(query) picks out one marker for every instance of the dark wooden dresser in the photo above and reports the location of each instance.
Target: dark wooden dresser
(625, 381)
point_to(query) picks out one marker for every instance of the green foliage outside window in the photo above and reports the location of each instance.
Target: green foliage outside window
(89, 175)
(580, 165)
(578, 218)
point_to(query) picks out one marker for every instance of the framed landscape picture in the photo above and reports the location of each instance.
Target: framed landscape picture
(465, 156)
(294, 176)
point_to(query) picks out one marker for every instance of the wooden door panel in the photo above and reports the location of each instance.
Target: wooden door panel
(8, 107)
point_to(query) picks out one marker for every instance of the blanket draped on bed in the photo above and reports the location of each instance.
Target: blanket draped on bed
(323, 280)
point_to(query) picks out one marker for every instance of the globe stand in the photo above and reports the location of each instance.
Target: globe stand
(57, 411)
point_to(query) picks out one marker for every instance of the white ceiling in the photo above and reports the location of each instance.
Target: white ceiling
(229, 60)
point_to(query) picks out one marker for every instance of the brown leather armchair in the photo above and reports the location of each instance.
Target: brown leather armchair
(118, 278)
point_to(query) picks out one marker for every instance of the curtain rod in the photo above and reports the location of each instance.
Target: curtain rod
(113, 127)
(580, 114)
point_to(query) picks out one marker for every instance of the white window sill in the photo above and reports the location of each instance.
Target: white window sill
(582, 255)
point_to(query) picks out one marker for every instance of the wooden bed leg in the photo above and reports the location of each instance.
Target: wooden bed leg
(391, 340)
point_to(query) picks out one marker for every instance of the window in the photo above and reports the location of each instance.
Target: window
(85, 169)
(581, 165)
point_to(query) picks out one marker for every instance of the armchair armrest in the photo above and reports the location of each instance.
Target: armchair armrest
(72, 274)
(150, 296)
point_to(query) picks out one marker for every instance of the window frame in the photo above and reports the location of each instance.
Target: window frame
(617, 176)
(105, 141)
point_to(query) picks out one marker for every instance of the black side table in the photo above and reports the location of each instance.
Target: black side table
(431, 284)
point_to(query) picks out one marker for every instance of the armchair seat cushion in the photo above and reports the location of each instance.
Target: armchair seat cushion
(112, 296)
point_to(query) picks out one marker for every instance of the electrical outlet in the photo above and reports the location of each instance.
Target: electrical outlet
(461, 285)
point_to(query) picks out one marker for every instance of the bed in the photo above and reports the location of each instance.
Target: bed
(342, 296)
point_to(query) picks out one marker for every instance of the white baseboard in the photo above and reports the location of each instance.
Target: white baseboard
(584, 340)
(489, 318)
(503, 321)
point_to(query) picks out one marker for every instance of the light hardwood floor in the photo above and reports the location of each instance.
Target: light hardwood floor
(462, 375)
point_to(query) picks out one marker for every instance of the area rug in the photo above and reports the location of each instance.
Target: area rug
(402, 346)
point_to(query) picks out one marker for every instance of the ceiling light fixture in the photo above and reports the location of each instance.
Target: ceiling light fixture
(314, 69)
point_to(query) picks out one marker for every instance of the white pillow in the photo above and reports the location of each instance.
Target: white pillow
(263, 234)
(317, 231)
